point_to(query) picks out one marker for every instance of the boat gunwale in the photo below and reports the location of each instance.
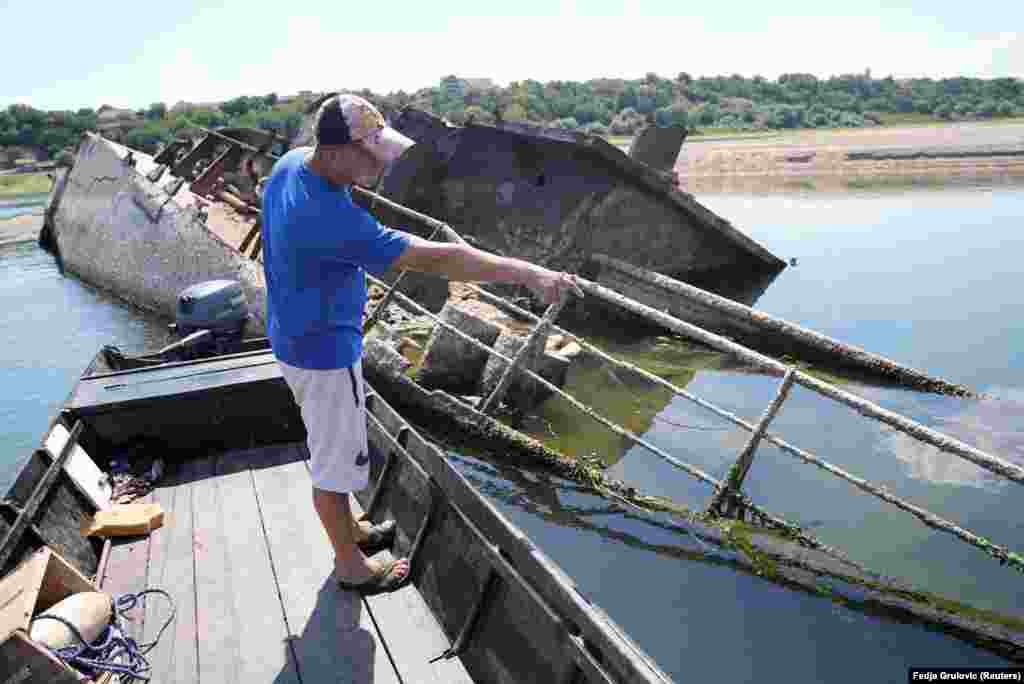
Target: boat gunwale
(590, 631)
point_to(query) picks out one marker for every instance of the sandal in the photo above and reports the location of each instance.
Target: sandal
(378, 538)
(385, 581)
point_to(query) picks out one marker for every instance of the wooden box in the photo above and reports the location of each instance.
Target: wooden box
(40, 581)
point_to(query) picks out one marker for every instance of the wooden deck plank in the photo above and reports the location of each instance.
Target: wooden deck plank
(414, 637)
(333, 636)
(172, 568)
(127, 567)
(241, 632)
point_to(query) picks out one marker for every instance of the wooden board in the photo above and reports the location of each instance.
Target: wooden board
(125, 573)
(332, 634)
(82, 470)
(171, 568)
(125, 520)
(413, 638)
(242, 635)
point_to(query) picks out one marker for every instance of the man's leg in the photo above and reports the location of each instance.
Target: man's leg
(344, 531)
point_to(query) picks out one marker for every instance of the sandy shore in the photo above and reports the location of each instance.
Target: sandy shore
(820, 158)
(20, 228)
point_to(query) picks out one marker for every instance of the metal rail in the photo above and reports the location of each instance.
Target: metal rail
(728, 498)
(738, 501)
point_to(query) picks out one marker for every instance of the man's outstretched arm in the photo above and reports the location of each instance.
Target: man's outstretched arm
(465, 263)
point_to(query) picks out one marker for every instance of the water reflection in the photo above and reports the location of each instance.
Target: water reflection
(995, 426)
(555, 503)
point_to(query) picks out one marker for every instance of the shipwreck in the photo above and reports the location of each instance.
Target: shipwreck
(148, 228)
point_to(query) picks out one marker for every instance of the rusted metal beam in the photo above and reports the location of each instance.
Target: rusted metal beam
(526, 354)
(249, 237)
(170, 153)
(999, 466)
(204, 149)
(235, 202)
(724, 502)
(203, 185)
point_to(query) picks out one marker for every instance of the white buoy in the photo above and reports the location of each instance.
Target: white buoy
(88, 611)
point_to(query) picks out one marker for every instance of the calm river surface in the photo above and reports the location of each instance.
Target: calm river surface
(926, 276)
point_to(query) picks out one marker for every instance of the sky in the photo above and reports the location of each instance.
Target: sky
(68, 55)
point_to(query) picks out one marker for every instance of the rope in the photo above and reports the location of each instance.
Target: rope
(113, 651)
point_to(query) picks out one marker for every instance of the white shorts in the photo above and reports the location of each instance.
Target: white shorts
(332, 403)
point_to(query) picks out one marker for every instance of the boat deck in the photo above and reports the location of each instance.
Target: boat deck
(250, 569)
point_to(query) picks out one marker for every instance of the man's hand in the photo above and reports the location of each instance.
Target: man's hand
(468, 264)
(551, 286)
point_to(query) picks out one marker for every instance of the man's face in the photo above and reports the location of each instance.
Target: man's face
(368, 165)
(353, 163)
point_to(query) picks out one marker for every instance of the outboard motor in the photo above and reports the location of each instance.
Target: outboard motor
(212, 316)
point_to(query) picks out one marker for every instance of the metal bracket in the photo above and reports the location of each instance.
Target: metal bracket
(466, 632)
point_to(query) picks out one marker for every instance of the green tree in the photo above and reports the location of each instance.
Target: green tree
(708, 114)
(208, 118)
(148, 137)
(242, 105)
(156, 111)
(626, 99)
(943, 111)
(675, 115)
(645, 102)
(586, 112)
(987, 108)
(85, 120)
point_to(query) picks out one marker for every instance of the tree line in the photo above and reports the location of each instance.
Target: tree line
(53, 133)
(620, 106)
(605, 106)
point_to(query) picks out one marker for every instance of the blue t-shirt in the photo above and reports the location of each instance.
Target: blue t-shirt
(316, 245)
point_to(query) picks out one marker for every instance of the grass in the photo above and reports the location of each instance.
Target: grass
(21, 183)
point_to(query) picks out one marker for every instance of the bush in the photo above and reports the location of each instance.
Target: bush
(674, 115)
(148, 137)
(943, 111)
(708, 114)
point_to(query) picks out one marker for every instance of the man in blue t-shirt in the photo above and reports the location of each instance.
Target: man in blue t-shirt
(317, 243)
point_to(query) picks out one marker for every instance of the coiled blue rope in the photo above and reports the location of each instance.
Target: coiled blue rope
(113, 651)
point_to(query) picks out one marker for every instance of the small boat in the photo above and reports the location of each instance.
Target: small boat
(243, 556)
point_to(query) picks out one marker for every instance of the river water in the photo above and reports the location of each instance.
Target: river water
(928, 276)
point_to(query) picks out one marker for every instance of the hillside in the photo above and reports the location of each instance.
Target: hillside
(606, 106)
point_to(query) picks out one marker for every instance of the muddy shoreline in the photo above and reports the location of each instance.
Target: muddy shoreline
(847, 159)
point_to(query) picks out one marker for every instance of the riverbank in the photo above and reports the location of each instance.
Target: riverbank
(23, 183)
(845, 158)
(20, 229)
